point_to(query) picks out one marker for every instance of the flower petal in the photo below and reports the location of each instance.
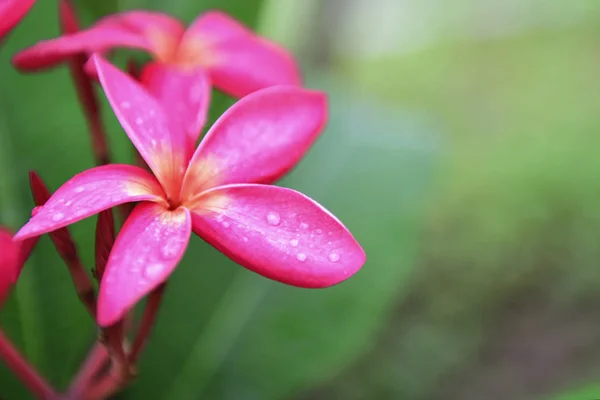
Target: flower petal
(11, 13)
(9, 263)
(156, 137)
(150, 31)
(240, 62)
(148, 248)
(185, 95)
(258, 139)
(90, 192)
(278, 233)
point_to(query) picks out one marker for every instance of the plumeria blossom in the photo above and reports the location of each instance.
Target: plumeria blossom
(219, 192)
(214, 50)
(11, 13)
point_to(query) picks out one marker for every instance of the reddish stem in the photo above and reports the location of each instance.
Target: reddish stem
(85, 87)
(24, 371)
(105, 387)
(146, 323)
(95, 361)
(66, 248)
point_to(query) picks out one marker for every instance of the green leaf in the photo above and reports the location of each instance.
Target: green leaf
(590, 392)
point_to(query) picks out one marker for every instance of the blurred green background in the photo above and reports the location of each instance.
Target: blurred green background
(462, 153)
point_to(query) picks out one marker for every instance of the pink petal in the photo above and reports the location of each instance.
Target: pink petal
(185, 95)
(153, 32)
(90, 192)
(240, 62)
(159, 142)
(11, 13)
(278, 233)
(258, 139)
(9, 260)
(148, 248)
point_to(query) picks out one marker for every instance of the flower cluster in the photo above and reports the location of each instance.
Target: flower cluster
(220, 189)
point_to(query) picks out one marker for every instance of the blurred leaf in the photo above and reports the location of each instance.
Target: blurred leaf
(586, 393)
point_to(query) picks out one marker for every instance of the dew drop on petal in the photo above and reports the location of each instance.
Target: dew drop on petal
(125, 104)
(245, 239)
(319, 231)
(303, 225)
(68, 203)
(79, 189)
(273, 218)
(172, 247)
(334, 257)
(225, 224)
(301, 257)
(153, 270)
(139, 121)
(294, 242)
(330, 233)
(57, 217)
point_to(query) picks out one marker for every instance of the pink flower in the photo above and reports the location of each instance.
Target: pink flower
(11, 13)
(12, 258)
(9, 259)
(219, 193)
(214, 50)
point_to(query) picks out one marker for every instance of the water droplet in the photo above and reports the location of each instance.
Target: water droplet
(219, 218)
(301, 257)
(319, 231)
(125, 104)
(79, 189)
(172, 247)
(153, 270)
(153, 141)
(68, 203)
(226, 224)
(334, 257)
(303, 225)
(273, 218)
(294, 242)
(139, 121)
(245, 239)
(330, 233)
(311, 245)
(57, 217)
(329, 243)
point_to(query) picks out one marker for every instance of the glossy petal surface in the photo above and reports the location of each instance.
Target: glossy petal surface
(90, 192)
(278, 233)
(148, 248)
(184, 94)
(240, 62)
(258, 139)
(11, 12)
(9, 259)
(153, 32)
(156, 137)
